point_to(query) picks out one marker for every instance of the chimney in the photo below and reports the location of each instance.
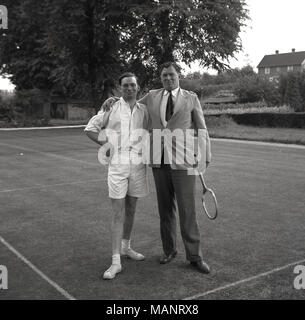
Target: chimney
(293, 50)
(276, 51)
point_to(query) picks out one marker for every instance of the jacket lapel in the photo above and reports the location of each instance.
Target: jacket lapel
(157, 105)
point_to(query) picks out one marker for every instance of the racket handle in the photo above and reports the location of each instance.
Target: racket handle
(203, 182)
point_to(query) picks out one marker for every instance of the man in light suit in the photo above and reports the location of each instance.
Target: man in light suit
(173, 108)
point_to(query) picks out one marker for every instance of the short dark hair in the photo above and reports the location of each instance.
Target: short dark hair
(127, 75)
(170, 64)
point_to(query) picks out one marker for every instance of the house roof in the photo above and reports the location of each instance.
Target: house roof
(282, 59)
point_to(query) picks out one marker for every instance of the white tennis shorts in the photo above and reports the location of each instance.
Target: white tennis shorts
(127, 179)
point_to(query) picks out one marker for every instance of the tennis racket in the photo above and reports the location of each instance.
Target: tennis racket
(209, 201)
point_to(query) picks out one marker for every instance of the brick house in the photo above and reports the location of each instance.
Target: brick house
(272, 66)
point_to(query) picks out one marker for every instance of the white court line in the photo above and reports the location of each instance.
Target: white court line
(234, 284)
(35, 269)
(51, 185)
(53, 155)
(42, 128)
(261, 143)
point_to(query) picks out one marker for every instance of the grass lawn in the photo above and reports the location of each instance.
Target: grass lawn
(56, 213)
(224, 127)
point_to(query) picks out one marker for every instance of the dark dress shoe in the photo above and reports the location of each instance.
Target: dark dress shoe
(168, 258)
(201, 266)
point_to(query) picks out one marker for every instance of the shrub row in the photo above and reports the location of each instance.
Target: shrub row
(248, 86)
(239, 107)
(22, 109)
(206, 90)
(280, 120)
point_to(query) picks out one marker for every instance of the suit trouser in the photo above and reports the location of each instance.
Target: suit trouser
(177, 185)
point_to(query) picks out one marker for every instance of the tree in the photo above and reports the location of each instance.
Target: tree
(194, 75)
(73, 47)
(292, 94)
(248, 89)
(302, 89)
(66, 47)
(252, 88)
(86, 46)
(21, 56)
(189, 30)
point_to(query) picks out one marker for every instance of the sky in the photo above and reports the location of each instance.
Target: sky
(274, 25)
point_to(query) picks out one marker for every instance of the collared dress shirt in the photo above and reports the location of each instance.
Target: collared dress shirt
(127, 128)
(175, 93)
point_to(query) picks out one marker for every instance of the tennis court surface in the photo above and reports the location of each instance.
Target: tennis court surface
(55, 224)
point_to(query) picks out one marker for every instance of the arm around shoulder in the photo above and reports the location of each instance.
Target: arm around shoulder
(144, 100)
(107, 104)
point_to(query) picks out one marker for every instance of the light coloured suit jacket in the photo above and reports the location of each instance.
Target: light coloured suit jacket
(187, 115)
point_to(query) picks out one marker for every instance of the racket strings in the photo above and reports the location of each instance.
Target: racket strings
(209, 204)
(209, 201)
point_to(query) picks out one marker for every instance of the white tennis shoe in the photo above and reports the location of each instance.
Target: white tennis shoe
(112, 271)
(129, 253)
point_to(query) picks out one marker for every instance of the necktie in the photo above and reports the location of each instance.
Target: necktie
(169, 107)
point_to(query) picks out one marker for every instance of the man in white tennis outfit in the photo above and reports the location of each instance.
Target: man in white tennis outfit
(127, 173)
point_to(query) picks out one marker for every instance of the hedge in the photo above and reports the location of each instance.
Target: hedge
(280, 120)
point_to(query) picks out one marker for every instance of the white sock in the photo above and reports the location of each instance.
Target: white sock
(125, 244)
(126, 250)
(116, 259)
(114, 268)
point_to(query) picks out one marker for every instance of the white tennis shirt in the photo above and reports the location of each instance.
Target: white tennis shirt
(127, 126)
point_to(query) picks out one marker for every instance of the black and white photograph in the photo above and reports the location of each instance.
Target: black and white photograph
(152, 151)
